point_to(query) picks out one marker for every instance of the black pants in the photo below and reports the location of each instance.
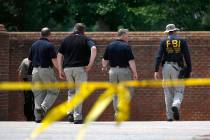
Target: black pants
(29, 105)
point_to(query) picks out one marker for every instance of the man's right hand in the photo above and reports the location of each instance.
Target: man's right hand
(156, 75)
(62, 75)
(135, 76)
(88, 68)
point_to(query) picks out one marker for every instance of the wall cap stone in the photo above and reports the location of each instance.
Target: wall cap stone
(2, 28)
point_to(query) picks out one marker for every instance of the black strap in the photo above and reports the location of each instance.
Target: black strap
(30, 69)
(175, 68)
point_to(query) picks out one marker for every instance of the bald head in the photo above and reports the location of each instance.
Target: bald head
(45, 32)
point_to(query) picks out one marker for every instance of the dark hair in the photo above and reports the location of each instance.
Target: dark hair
(79, 27)
(45, 32)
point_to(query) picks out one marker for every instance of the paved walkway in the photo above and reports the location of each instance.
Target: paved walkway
(183, 130)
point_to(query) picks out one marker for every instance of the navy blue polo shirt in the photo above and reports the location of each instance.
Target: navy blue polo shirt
(118, 53)
(173, 49)
(41, 53)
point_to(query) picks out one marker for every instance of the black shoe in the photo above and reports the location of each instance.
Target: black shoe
(176, 112)
(42, 112)
(169, 120)
(78, 121)
(38, 121)
(71, 118)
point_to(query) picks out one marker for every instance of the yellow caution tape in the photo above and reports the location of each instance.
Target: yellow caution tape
(160, 83)
(123, 108)
(103, 101)
(60, 111)
(99, 85)
(100, 105)
(103, 85)
(86, 89)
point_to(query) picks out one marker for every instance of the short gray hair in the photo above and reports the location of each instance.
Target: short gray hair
(45, 32)
(122, 32)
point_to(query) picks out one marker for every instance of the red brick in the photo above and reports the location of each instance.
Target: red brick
(148, 104)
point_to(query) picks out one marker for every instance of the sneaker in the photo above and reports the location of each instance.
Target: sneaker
(70, 118)
(78, 121)
(176, 112)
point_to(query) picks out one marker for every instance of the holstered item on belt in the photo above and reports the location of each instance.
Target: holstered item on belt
(184, 73)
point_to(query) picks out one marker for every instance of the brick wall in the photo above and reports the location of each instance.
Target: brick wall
(4, 68)
(148, 103)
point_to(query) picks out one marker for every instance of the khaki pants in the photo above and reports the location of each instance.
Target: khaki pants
(173, 95)
(44, 98)
(76, 75)
(117, 75)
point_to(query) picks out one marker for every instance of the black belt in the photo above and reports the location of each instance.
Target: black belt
(42, 67)
(119, 67)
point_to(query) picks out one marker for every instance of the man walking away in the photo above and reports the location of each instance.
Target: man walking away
(76, 56)
(121, 60)
(43, 57)
(24, 74)
(173, 49)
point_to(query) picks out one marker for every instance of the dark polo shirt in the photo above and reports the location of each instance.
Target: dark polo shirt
(41, 53)
(119, 53)
(76, 49)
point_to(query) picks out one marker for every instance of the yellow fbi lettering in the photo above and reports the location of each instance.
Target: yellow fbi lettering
(173, 46)
(174, 43)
